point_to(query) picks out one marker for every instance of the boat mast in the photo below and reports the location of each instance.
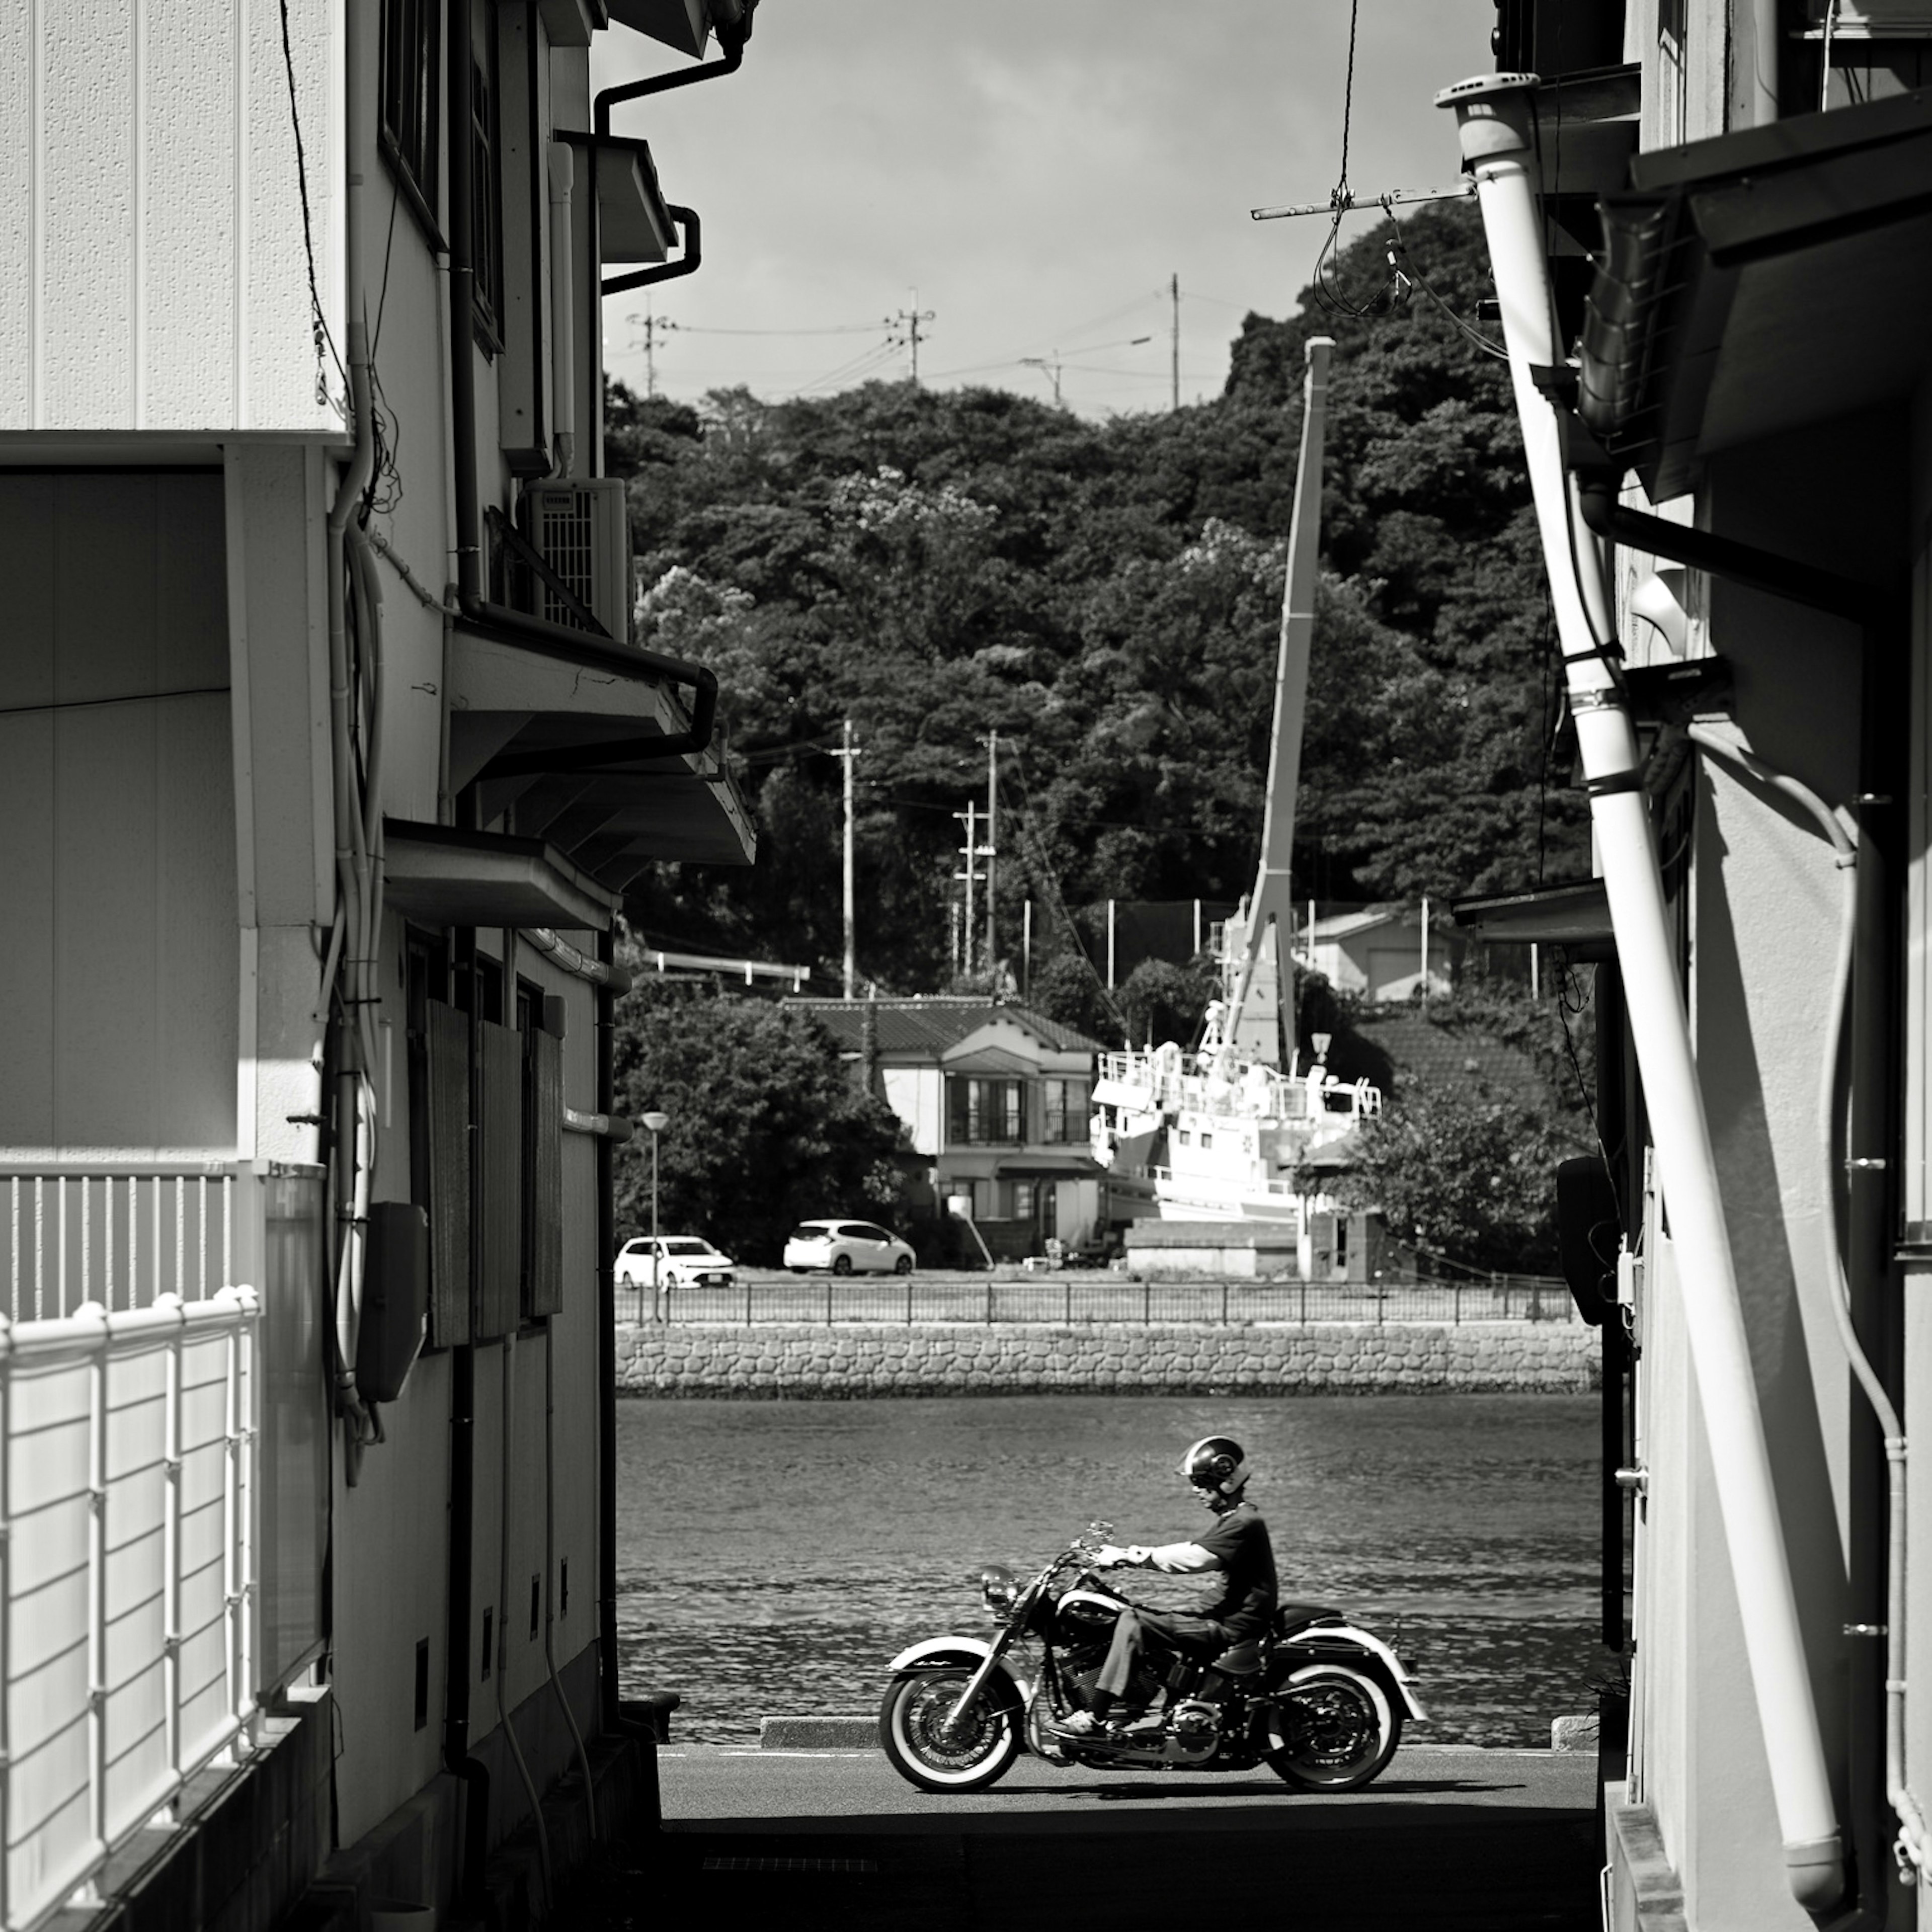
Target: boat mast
(1270, 905)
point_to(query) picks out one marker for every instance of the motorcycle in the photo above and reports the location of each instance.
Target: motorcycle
(1317, 1699)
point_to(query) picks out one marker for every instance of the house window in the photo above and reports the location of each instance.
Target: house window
(982, 1112)
(411, 56)
(1065, 1106)
(1023, 1196)
(486, 225)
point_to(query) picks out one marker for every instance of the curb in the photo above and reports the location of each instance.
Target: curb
(1567, 1734)
(817, 1733)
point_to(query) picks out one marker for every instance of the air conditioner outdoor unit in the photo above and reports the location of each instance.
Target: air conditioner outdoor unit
(582, 531)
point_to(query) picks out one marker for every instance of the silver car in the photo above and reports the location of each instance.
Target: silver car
(847, 1247)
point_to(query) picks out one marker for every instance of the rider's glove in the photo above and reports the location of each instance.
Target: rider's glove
(1111, 1556)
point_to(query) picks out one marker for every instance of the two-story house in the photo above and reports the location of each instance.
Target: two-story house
(996, 1100)
(326, 758)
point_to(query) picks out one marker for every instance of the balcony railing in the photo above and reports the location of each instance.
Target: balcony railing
(119, 1236)
(128, 1442)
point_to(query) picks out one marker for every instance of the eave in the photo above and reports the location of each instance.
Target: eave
(1575, 915)
(440, 877)
(525, 714)
(1759, 282)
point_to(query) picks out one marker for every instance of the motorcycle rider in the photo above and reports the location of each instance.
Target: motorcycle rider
(1237, 1545)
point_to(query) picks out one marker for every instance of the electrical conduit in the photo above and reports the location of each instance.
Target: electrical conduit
(354, 1154)
(1495, 121)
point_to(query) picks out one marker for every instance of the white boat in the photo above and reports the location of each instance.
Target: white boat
(1218, 1132)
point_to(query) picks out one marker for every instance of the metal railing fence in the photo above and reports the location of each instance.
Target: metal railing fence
(1075, 1298)
(127, 1589)
(119, 1236)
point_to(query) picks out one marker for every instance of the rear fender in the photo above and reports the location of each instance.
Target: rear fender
(1005, 1683)
(1335, 1641)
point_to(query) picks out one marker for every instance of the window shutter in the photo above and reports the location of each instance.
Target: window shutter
(448, 1050)
(545, 1203)
(501, 1150)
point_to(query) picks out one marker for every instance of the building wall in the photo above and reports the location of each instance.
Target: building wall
(118, 983)
(151, 215)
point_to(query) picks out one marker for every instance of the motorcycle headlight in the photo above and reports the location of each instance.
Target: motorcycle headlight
(1000, 1590)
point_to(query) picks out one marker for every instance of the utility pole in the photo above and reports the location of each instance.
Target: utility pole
(909, 320)
(970, 814)
(652, 326)
(1050, 365)
(1174, 338)
(847, 752)
(992, 847)
(974, 853)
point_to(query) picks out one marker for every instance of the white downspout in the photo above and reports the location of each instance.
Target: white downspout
(563, 368)
(1495, 119)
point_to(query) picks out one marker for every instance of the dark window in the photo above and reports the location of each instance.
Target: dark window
(1065, 1109)
(486, 224)
(412, 58)
(984, 1111)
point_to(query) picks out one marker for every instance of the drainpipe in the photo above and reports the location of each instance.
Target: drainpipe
(562, 289)
(1495, 121)
(478, 613)
(456, 1757)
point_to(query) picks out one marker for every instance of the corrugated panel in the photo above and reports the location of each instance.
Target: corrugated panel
(546, 1202)
(448, 1176)
(500, 1150)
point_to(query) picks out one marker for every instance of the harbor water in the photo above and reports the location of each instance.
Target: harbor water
(774, 1556)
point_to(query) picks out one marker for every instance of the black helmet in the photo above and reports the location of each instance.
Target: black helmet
(1216, 1463)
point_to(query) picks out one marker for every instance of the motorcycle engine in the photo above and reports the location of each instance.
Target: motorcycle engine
(1193, 1731)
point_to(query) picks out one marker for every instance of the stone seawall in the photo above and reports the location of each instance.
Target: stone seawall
(839, 1361)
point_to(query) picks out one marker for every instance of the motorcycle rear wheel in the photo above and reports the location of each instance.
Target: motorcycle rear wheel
(1342, 1731)
(912, 1722)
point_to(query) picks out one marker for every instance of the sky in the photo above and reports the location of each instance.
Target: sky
(1032, 172)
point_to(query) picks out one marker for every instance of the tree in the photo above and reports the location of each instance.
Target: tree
(937, 566)
(1467, 1168)
(766, 1128)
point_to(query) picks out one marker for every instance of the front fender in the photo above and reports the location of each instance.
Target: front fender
(972, 1651)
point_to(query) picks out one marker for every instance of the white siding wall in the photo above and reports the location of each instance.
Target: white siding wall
(118, 981)
(151, 217)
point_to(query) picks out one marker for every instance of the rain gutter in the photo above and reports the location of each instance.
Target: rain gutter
(1495, 121)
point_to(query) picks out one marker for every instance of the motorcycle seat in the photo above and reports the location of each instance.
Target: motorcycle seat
(1289, 1617)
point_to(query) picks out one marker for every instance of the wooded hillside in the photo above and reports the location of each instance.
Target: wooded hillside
(1106, 596)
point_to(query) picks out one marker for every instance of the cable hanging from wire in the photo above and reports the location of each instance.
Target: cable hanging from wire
(1342, 198)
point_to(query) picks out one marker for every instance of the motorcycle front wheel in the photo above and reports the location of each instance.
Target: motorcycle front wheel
(1341, 1731)
(914, 1733)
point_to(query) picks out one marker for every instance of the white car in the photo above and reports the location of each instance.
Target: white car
(847, 1247)
(683, 1261)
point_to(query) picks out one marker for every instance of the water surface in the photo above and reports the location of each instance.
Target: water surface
(774, 1556)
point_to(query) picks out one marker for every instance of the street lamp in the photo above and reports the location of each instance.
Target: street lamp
(654, 1124)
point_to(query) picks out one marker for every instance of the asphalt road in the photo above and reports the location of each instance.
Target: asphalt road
(1475, 1840)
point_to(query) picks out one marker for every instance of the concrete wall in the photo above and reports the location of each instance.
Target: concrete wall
(150, 217)
(855, 1359)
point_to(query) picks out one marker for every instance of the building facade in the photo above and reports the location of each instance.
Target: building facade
(1708, 233)
(995, 1099)
(326, 757)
